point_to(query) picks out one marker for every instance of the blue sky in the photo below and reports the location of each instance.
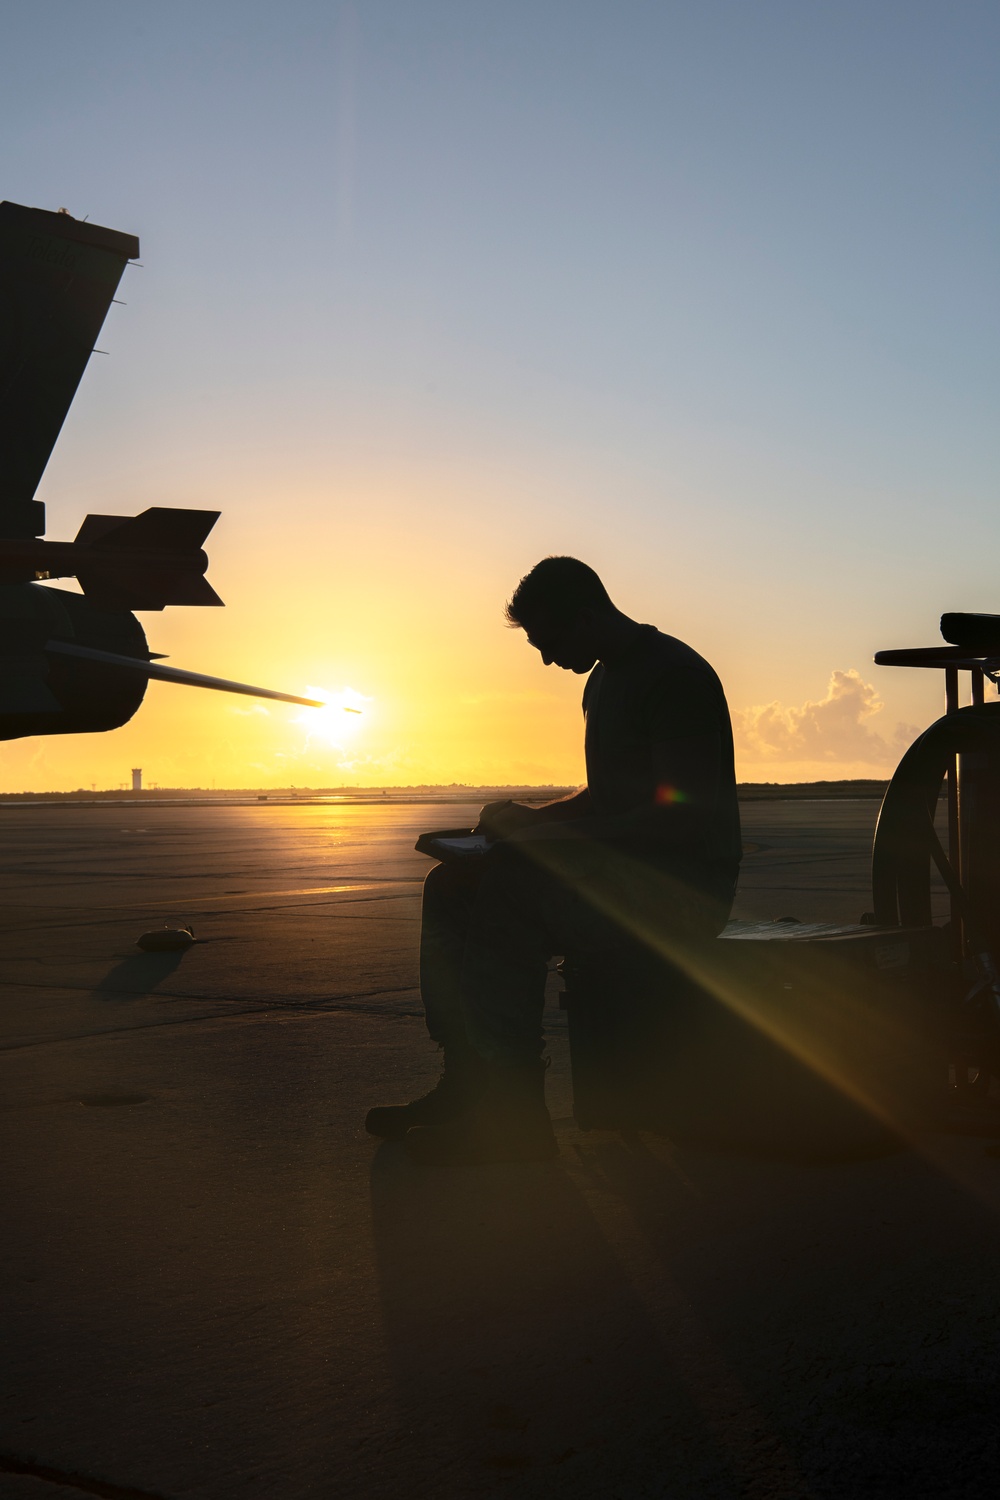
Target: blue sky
(703, 292)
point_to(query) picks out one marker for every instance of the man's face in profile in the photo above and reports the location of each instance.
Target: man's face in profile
(564, 643)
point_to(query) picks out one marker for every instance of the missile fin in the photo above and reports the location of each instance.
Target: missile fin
(94, 528)
(146, 588)
(172, 528)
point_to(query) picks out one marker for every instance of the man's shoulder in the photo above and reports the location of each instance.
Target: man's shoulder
(666, 653)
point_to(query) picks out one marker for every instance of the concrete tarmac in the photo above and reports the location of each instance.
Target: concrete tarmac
(216, 1285)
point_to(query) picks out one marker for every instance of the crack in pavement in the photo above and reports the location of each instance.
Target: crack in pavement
(349, 1004)
(72, 1479)
(193, 906)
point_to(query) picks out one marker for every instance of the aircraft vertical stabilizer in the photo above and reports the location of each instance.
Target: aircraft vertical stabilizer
(58, 276)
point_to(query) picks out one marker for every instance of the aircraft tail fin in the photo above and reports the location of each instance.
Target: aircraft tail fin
(58, 276)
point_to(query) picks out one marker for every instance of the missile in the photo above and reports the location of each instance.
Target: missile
(123, 562)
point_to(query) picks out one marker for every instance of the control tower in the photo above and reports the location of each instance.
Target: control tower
(137, 778)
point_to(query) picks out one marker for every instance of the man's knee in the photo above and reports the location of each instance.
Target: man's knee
(436, 882)
(443, 884)
(449, 892)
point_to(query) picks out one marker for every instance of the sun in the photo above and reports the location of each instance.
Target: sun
(341, 716)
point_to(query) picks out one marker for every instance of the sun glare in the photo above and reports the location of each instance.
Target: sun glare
(341, 716)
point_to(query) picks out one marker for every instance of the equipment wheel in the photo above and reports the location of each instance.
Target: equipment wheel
(906, 852)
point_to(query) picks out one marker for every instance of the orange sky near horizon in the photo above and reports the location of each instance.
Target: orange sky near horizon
(449, 693)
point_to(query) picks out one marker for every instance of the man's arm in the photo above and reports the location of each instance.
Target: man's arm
(686, 773)
(575, 805)
(502, 819)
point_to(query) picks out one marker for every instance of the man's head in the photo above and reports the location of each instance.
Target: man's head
(561, 606)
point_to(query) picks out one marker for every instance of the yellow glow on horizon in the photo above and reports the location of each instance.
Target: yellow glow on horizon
(451, 695)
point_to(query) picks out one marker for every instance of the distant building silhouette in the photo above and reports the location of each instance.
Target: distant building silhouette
(137, 778)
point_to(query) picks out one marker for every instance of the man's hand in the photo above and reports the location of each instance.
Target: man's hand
(500, 819)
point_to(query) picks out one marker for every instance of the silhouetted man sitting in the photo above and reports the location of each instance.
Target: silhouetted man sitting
(649, 849)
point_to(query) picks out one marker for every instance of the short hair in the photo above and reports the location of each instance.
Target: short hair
(558, 587)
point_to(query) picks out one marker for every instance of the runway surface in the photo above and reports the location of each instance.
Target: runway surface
(216, 1285)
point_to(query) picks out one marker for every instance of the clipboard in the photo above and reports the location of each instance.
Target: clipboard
(453, 845)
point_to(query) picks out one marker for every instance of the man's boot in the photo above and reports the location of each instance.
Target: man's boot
(454, 1094)
(508, 1123)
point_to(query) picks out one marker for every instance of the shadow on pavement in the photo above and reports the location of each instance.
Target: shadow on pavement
(632, 1320)
(519, 1346)
(831, 1342)
(137, 975)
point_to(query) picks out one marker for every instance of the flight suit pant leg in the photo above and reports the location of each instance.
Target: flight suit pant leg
(524, 912)
(449, 896)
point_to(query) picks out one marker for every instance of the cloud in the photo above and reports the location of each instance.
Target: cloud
(834, 728)
(394, 760)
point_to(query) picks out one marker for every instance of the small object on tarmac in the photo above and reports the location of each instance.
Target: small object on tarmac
(166, 939)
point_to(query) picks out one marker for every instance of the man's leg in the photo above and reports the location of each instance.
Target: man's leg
(448, 900)
(520, 918)
(523, 913)
(542, 898)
